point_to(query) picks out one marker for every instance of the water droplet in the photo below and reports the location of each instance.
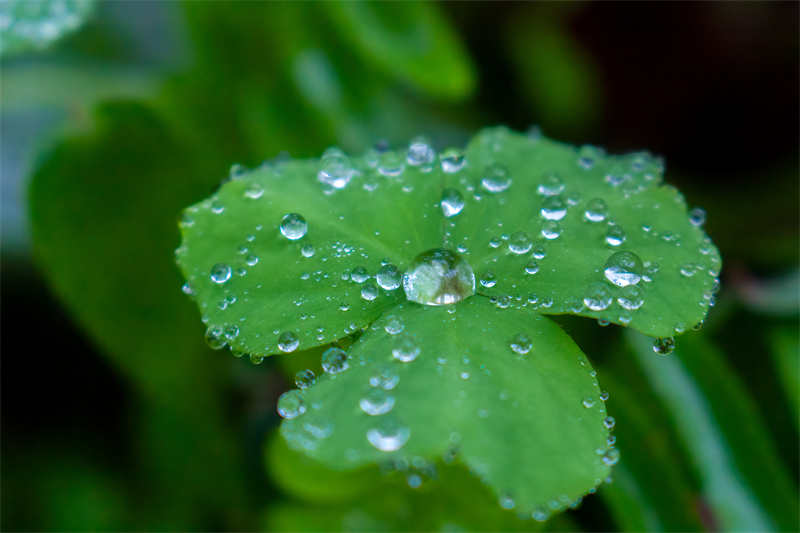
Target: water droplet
(389, 277)
(494, 242)
(550, 185)
(384, 376)
(390, 437)
(319, 427)
(630, 297)
(438, 277)
(256, 359)
(236, 352)
(293, 226)
(252, 260)
(488, 278)
(391, 164)
(611, 456)
(405, 349)
(588, 402)
(587, 156)
(574, 198)
(506, 502)
(503, 301)
(596, 210)
(496, 178)
(376, 402)
(624, 268)
(231, 332)
(344, 306)
(291, 404)
(369, 291)
(664, 346)
(334, 169)
(604, 396)
(532, 267)
(452, 202)
(217, 207)
(215, 337)
(551, 229)
(520, 243)
(615, 235)
(453, 160)
(521, 343)
(539, 252)
(680, 327)
(334, 360)
(254, 190)
(220, 273)
(359, 274)
(697, 217)
(554, 208)
(394, 325)
(687, 269)
(308, 250)
(610, 440)
(420, 153)
(304, 379)
(609, 422)
(288, 342)
(188, 289)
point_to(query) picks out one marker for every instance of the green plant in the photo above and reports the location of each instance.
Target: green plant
(492, 239)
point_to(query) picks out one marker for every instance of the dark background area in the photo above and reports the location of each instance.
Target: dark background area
(713, 87)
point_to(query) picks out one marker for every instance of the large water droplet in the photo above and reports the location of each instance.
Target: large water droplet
(293, 226)
(308, 250)
(384, 376)
(615, 235)
(664, 346)
(394, 325)
(389, 277)
(532, 267)
(334, 169)
(288, 342)
(215, 337)
(369, 291)
(596, 210)
(220, 273)
(291, 404)
(539, 252)
(624, 268)
(551, 229)
(452, 202)
(520, 243)
(611, 456)
(359, 274)
(597, 297)
(550, 185)
(304, 379)
(609, 422)
(390, 437)
(554, 208)
(453, 160)
(405, 349)
(334, 360)
(438, 277)
(496, 178)
(521, 343)
(630, 297)
(488, 279)
(376, 402)
(420, 153)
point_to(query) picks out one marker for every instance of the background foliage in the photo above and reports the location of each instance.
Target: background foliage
(115, 414)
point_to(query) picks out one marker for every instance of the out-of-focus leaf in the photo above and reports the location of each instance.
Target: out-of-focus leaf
(723, 433)
(103, 210)
(785, 346)
(33, 25)
(628, 503)
(775, 297)
(410, 40)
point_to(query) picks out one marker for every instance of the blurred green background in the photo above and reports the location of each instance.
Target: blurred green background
(115, 414)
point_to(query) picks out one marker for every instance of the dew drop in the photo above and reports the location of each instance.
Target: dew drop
(389, 277)
(550, 185)
(288, 342)
(496, 178)
(611, 456)
(376, 402)
(231, 332)
(596, 210)
(217, 207)
(494, 242)
(256, 359)
(334, 360)
(390, 437)
(551, 230)
(384, 376)
(615, 235)
(532, 267)
(291, 404)
(369, 291)
(252, 260)
(521, 343)
(624, 268)
(697, 217)
(420, 153)
(609, 422)
(539, 252)
(554, 208)
(334, 169)
(394, 325)
(405, 349)
(604, 396)
(630, 297)
(304, 379)
(293, 226)
(664, 346)
(344, 306)
(488, 279)
(215, 337)
(438, 277)
(308, 250)
(453, 160)
(359, 274)
(520, 243)
(452, 202)
(597, 297)
(588, 402)
(220, 273)
(391, 164)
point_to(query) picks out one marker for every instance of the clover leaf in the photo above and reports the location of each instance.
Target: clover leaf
(453, 359)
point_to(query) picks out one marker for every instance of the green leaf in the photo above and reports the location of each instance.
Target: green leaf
(411, 40)
(30, 25)
(285, 291)
(653, 217)
(465, 388)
